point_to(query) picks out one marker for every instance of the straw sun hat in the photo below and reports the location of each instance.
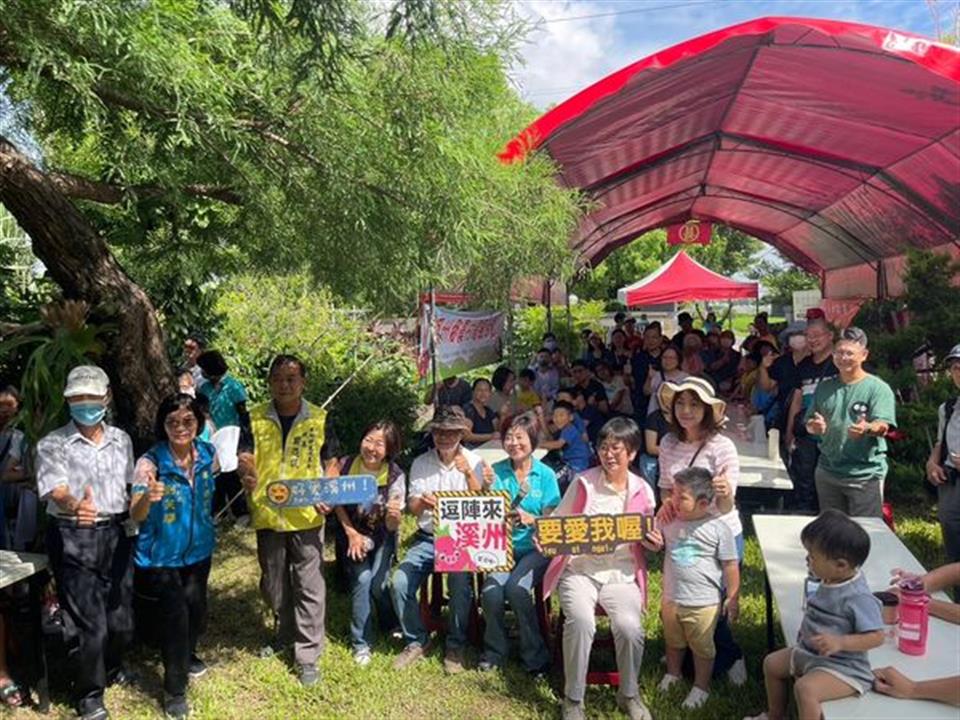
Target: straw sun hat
(703, 390)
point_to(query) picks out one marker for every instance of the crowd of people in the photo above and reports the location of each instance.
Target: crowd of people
(633, 425)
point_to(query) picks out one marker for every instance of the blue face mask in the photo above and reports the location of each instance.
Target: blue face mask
(87, 413)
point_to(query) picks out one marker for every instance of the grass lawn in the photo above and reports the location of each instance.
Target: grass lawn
(241, 685)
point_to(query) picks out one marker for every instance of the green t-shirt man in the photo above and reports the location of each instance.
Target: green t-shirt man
(843, 405)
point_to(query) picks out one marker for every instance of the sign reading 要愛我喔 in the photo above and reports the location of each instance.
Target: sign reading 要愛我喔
(471, 532)
(590, 534)
(343, 490)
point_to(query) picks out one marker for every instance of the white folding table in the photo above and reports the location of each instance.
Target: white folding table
(785, 563)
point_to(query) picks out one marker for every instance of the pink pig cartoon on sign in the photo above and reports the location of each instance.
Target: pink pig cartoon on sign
(451, 555)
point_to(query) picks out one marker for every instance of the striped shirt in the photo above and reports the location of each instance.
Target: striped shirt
(718, 452)
(66, 457)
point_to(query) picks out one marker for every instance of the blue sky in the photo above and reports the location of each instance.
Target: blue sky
(567, 51)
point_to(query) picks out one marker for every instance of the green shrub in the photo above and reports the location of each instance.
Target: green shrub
(266, 315)
(531, 323)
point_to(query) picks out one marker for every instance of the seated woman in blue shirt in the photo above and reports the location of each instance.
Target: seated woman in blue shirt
(533, 492)
(172, 501)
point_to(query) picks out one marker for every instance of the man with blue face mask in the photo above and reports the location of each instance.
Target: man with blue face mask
(84, 472)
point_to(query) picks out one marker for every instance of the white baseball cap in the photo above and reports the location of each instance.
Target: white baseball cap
(86, 380)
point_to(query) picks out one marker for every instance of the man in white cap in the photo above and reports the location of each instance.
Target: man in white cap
(84, 471)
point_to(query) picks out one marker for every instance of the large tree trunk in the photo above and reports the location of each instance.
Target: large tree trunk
(83, 266)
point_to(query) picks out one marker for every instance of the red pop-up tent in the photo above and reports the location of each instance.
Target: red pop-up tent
(836, 142)
(683, 279)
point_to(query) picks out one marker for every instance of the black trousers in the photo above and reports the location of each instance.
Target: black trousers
(94, 573)
(181, 597)
(803, 467)
(227, 487)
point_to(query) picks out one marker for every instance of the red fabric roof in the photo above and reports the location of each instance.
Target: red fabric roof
(838, 143)
(683, 279)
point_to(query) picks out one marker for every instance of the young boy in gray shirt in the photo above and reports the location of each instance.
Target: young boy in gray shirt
(841, 623)
(700, 560)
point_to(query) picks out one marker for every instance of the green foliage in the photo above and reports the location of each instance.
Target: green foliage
(729, 252)
(53, 353)
(531, 323)
(932, 298)
(266, 315)
(231, 150)
(779, 282)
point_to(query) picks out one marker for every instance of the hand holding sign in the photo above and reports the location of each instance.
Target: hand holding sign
(246, 465)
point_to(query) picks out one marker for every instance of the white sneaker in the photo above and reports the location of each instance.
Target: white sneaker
(667, 682)
(761, 716)
(737, 674)
(570, 710)
(362, 657)
(696, 698)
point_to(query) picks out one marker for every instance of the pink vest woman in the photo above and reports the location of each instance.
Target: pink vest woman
(617, 582)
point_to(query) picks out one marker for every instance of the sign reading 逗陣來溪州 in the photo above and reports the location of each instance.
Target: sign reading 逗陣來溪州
(471, 532)
(343, 490)
(590, 534)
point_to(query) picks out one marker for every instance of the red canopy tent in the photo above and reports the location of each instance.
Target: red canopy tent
(838, 143)
(683, 279)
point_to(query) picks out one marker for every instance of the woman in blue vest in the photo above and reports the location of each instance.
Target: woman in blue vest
(172, 501)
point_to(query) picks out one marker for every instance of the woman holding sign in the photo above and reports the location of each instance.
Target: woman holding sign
(533, 492)
(172, 501)
(371, 534)
(616, 581)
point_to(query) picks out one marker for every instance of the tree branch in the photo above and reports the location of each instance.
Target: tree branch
(81, 188)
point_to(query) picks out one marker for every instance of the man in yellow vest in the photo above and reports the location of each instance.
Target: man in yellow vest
(290, 442)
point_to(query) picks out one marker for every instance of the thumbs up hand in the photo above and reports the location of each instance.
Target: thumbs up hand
(817, 424)
(155, 488)
(86, 510)
(488, 475)
(859, 429)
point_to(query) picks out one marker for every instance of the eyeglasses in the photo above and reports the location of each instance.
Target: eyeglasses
(187, 424)
(611, 448)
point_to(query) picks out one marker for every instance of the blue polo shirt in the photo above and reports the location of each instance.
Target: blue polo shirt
(544, 493)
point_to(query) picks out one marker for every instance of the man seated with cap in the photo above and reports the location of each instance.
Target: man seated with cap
(447, 466)
(84, 471)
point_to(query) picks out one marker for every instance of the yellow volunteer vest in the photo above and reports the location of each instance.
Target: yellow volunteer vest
(299, 460)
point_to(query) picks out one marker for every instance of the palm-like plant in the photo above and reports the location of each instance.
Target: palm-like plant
(62, 341)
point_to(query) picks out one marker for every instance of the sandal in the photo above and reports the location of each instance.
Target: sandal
(11, 695)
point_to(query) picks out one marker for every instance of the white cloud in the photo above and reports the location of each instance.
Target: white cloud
(561, 58)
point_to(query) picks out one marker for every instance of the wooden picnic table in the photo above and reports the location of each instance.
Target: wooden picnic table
(785, 563)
